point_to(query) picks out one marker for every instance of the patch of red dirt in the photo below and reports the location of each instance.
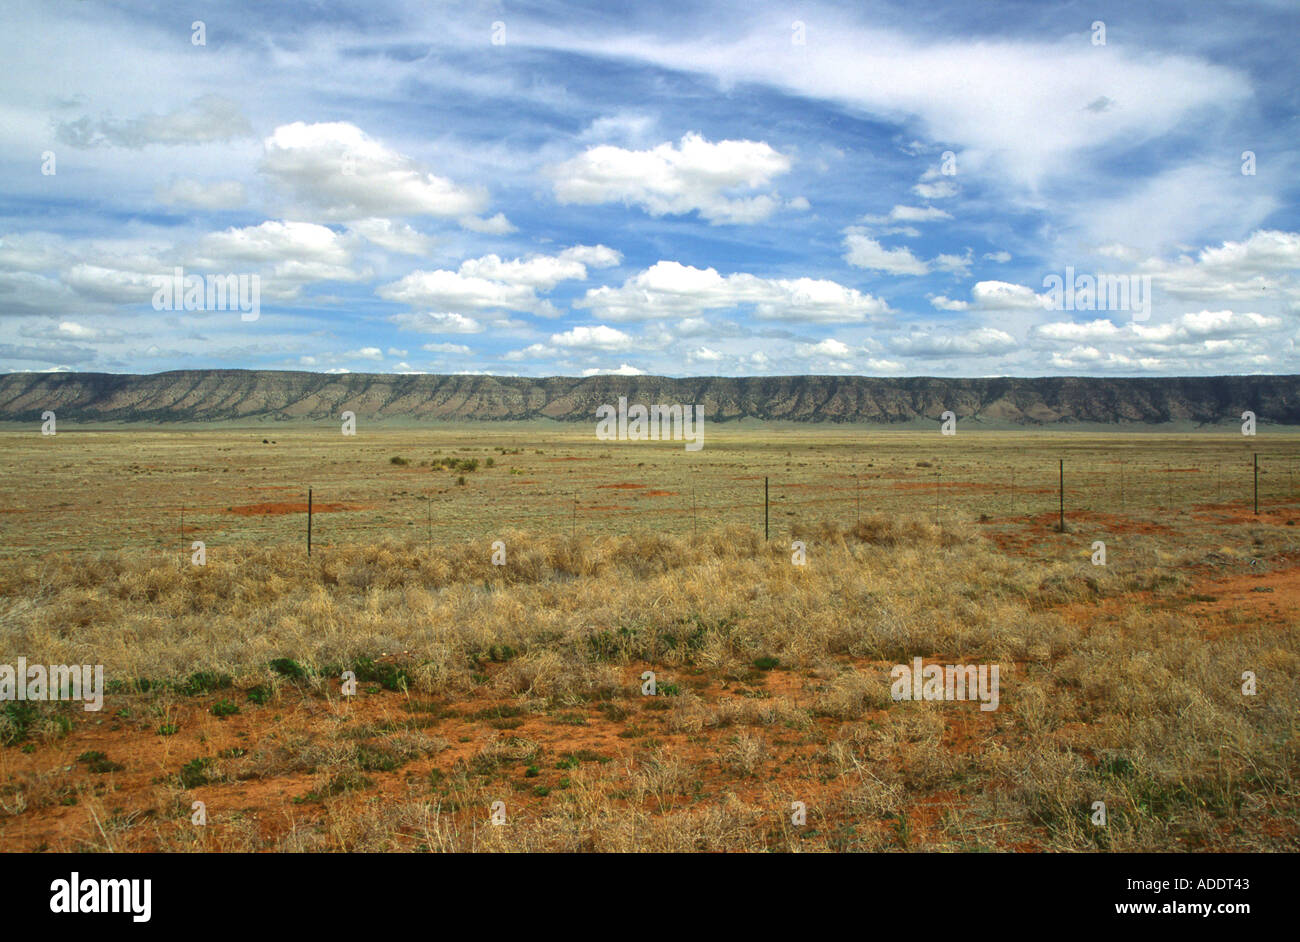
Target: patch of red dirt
(1031, 530)
(1079, 520)
(1268, 596)
(290, 507)
(1271, 597)
(974, 486)
(660, 493)
(279, 798)
(1243, 513)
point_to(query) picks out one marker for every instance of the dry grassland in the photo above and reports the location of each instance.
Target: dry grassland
(522, 683)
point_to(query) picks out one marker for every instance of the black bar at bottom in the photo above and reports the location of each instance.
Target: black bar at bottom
(999, 891)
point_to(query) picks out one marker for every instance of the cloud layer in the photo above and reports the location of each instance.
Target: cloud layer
(697, 190)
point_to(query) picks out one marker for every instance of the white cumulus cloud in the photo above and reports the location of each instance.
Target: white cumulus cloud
(675, 179)
(345, 174)
(671, 289)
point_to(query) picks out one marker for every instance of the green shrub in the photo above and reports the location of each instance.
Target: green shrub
(99, 763)
(387, 676)
(203, 682)
(194, 773)
(18, 717)
(224, 708)
(287, 667)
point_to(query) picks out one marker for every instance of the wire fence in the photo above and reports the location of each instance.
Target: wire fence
(1102, 488)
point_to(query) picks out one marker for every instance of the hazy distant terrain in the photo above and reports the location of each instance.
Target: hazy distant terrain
(225, 395)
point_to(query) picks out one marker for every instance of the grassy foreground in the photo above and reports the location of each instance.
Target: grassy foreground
(522, 685)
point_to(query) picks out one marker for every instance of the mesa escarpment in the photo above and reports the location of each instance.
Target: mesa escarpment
(234, 395)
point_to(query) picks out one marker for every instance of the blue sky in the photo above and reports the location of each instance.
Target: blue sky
(727, 189)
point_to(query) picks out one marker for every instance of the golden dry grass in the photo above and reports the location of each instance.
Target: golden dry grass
(522, 684)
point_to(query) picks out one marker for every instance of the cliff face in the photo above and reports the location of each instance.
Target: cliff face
(225, 395)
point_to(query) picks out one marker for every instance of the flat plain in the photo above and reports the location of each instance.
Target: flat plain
(521, 683)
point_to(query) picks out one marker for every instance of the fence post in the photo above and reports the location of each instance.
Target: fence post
(765, 517)
(937, 485)
(1256, 484)
(1062, 493)
(309, 523)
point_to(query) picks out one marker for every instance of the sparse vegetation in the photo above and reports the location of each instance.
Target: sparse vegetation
(99, 763)
(468, 465)
(522, 683)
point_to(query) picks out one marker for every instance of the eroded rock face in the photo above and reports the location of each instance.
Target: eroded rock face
(225, 395)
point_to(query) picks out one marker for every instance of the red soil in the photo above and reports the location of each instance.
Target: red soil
(977, 486)
(287, 507)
